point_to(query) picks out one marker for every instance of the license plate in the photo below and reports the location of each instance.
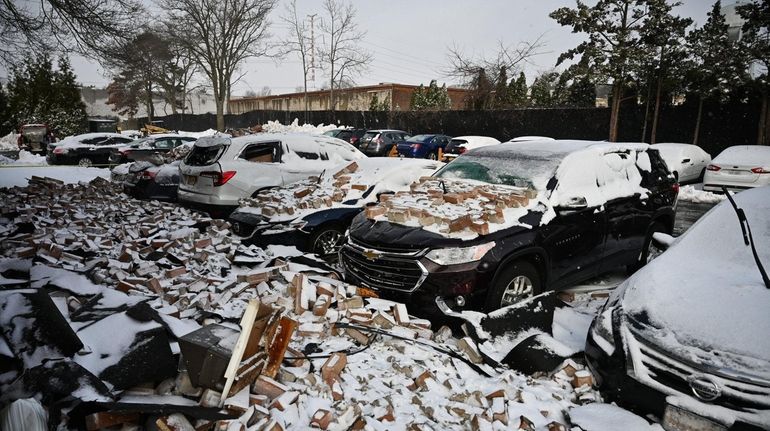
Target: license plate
(676, 419)
(190, 180)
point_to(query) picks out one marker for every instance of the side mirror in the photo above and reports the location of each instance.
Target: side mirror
(662, 240)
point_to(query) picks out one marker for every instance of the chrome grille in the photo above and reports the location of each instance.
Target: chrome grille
(675, 374)
(384, 271)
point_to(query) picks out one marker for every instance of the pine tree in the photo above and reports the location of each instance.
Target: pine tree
(718, 65)
(444, 102)
(502, 94)
(479, 98)
(517, 89)
(756, 40)
(374, 104)
(417, 102)
(5, 124)
(545, 91)
(581, 93)
(68, 112)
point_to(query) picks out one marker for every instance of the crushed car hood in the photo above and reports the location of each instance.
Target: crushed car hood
(704, 300)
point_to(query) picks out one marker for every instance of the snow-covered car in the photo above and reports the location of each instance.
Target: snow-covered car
(505, 222)
(686, 161)
(738, 168)
(530, 138)
(685, 338)
(219, 171)
(149, 148)
(146, 180)
(320, 230)
(86, 150)
(461, 144)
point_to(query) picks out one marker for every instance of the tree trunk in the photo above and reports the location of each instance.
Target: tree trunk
(306, 102)
(220, 114)
(646, 113)
(656, 115)
(615, 111)
(697, 121)
(763, 121)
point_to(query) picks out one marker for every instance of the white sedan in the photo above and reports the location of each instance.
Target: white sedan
(738, 168)
(461, 144)
(687, 162)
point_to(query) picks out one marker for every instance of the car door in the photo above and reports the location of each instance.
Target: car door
(574, 239)
(620, 184)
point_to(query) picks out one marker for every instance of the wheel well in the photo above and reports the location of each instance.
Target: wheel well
(534, 256)
(665, 220)
(261, 190)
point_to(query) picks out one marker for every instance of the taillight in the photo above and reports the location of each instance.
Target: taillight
(675, 188)
(149, 175)
(124, 151)
(353, 139)
(379, 140)
(461, 150)
(416, 146)
(713, 168)
(59, 150)
(220, 178)
(760, 171)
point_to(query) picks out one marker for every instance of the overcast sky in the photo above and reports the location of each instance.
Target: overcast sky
(409, 39)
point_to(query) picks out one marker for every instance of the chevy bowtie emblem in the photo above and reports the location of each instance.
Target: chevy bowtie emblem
(371, 254)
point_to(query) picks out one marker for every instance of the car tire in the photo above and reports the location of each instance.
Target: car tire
(326, 240)
(648, 248)
(85, 162)
(518, 281)
(433, 156)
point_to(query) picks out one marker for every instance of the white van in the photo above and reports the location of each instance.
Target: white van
(219, 171)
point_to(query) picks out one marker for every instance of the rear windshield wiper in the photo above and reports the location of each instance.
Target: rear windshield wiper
(747, 238)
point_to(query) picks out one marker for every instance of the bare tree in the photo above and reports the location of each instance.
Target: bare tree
(341, 50)
(88, 27)
(466, 67)
(298, 42)
(175, 76)
(220, 35)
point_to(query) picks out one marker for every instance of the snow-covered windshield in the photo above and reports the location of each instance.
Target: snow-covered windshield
(520, 170)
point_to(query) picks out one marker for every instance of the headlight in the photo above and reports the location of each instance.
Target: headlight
(454, 256)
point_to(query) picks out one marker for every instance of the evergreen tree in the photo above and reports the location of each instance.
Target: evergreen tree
(431, 98)
(581, 93)
(374, 104)
(5, 124)
(481, 90)
(717, 64)
(502, 93)
(517, 90)
(756, 40)
(612, 49)
(546, 91)
(444, 102)
(417, 102)
(38, 94)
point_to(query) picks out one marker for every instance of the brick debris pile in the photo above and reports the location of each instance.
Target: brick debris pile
(121, 313)
(454, 208)
(313, 193)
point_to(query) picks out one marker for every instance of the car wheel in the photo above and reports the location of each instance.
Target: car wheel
(519, 281)
(85, 162)
(676, 175)
(649, 250)
(327, 240)
(702, 174)
(433, 156)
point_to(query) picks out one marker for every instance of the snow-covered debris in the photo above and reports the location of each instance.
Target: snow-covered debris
(691, 194)
(17, 176)
(607, 417)
(354, 185)
(295, 127)
(134, 279)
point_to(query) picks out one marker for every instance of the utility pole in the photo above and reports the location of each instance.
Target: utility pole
(312, 47)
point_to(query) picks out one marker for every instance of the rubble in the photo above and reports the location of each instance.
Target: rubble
(166, 326)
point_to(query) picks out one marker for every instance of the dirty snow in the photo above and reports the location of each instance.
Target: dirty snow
(693, 194)
(11, 176)
(24, 158)
(608, 417)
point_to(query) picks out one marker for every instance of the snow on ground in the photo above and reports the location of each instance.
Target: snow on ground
(697, 195)
(295, 127)
(8, 142)
(25, 158)
(11, 176)
(608, 417)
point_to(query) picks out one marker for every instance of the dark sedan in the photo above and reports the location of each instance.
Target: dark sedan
(147, 149)
(146, 180)
(351, 136)
(86, 150)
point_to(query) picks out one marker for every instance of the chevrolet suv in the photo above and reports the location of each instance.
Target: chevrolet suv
(506, 222)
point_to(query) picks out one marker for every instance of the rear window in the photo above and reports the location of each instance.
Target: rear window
(369, 136)
(458, 142)
(204, 156)
(420, 138)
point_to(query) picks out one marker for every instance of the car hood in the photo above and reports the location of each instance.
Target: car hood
(388, 235)
(704, 299)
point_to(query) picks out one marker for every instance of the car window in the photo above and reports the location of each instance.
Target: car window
(262, 152)
(658, 169)
(163, 144)
(345, 135)
(120, 140)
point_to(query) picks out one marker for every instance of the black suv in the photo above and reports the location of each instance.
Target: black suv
(593, 206)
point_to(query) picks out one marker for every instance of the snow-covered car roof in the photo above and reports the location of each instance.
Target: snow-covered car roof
(77, 140)
(531, 138)
(554, 147)
(745, 155)
(704, 299)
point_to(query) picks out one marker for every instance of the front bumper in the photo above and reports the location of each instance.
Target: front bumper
(409, 277)
(647, 381)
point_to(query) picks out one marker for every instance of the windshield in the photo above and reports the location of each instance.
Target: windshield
(520, 170)
(203, 156)
(331, 133)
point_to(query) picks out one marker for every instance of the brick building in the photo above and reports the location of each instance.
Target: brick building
(398, 97)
